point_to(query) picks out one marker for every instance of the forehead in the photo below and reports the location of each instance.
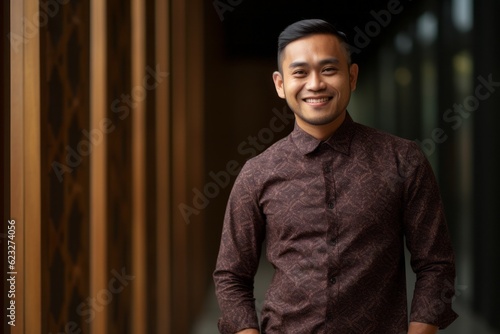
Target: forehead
(313, 49)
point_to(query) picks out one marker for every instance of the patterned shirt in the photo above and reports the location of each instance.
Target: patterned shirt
(335, 215)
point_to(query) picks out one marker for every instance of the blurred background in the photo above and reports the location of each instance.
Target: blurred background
(125, 123)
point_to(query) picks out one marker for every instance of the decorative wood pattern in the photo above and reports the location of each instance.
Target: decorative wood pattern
(65, 150)
(119, 156)
(69, 271)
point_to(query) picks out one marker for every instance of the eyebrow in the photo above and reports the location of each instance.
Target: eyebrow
(321, 63)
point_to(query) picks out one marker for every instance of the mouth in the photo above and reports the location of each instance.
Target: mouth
(317, 100)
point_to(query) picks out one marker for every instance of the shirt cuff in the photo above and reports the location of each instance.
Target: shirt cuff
(236, 322)
(434, 312)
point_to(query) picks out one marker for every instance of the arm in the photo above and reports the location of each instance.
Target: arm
(429, 243)
(239, 254)
(421, 328)
(249, 331)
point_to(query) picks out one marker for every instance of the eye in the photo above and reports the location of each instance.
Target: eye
(299, 73)
(330, 70)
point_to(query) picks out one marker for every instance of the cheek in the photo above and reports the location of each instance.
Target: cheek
(342, 86)
(292, 89)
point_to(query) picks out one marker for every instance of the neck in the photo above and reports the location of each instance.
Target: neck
(322, 132)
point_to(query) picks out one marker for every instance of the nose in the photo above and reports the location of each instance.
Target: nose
(315, 82)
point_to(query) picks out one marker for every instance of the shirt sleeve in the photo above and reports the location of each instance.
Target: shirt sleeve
(429, 243)
(242, 236)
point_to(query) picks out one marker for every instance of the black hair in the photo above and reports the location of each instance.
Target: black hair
(305, 28)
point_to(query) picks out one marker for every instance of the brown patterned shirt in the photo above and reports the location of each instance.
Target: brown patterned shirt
(335, 215)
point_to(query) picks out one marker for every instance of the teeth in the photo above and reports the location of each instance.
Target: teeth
(325, 99)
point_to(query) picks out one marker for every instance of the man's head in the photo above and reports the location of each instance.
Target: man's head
(304, 28)
(315, 75)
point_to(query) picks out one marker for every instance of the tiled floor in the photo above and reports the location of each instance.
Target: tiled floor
(467, 323)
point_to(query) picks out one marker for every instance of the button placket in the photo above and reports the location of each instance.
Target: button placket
(327, 170)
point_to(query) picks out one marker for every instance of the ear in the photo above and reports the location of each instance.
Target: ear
(353, 76)
(278, 84)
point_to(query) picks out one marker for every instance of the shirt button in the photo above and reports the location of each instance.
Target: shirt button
(330, 205)
(328, 169)
(333, 280)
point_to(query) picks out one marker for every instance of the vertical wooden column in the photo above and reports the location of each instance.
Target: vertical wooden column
(187, 157)
(179, 167)
(25, 167)
(98, 161)
(66, 143)
(163, 199)
(139, 94)
(17, 207)
(119, 179)
(32, 195)
(5, 77)
(197, 239)
(16, 157)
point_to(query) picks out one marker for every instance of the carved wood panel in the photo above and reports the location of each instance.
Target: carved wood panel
(65, 151)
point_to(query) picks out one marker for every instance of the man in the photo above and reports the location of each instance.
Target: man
(335, 201)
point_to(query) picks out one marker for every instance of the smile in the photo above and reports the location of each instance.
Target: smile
(317, 100)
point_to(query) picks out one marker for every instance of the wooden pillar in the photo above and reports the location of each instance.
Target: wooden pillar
(139, 95)
(180, 276)
(25, 167)
(187, 158)
(163, 170)
(5, 150)
(119, 174)
(98, 184)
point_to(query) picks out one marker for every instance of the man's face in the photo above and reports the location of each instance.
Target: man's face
(316, 80)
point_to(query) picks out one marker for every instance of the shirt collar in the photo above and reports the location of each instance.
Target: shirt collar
(339, 141)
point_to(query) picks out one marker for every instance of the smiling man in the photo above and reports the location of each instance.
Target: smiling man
(319, 81)
(335, 201)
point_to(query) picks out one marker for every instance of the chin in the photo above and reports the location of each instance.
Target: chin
(318, 121)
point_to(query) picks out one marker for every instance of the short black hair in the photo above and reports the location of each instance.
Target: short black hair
(301, 29)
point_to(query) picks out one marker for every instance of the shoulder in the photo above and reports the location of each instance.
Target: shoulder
(387, 148)
(270, 160)
(381, 139)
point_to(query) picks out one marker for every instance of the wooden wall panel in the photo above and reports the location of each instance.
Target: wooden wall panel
(98, 278)
(17, 183)
(188, 243)
(196, 164)
(151, 178)
(139, 96)
(32, 234)
(65, 150)
(119, 160)
(180, 194)
(163, 112)
(25, 166)
(5, 150)
(101, 207)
